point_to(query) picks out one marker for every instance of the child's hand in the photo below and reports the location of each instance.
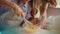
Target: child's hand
(36, 21)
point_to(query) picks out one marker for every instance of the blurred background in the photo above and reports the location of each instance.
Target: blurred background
(53, 21)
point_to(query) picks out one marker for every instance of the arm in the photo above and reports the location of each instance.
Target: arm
(43, 13)
(13, 5)
(6, 3)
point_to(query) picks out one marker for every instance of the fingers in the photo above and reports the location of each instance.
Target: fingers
(19, 12)
(36, 21)
(23, 15)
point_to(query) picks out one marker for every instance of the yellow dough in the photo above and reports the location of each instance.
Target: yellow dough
(31, 28)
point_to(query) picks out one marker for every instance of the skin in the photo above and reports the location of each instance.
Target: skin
(43, 10)
(24, 1)
(45, 6)
(17, 9)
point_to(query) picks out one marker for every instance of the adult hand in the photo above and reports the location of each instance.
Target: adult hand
(19, 11)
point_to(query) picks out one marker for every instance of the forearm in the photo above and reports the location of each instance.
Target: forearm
(43, 13)
(8, 4)
(44, 17)
(43, 9)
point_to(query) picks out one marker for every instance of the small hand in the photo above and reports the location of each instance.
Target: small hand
(43, 22)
